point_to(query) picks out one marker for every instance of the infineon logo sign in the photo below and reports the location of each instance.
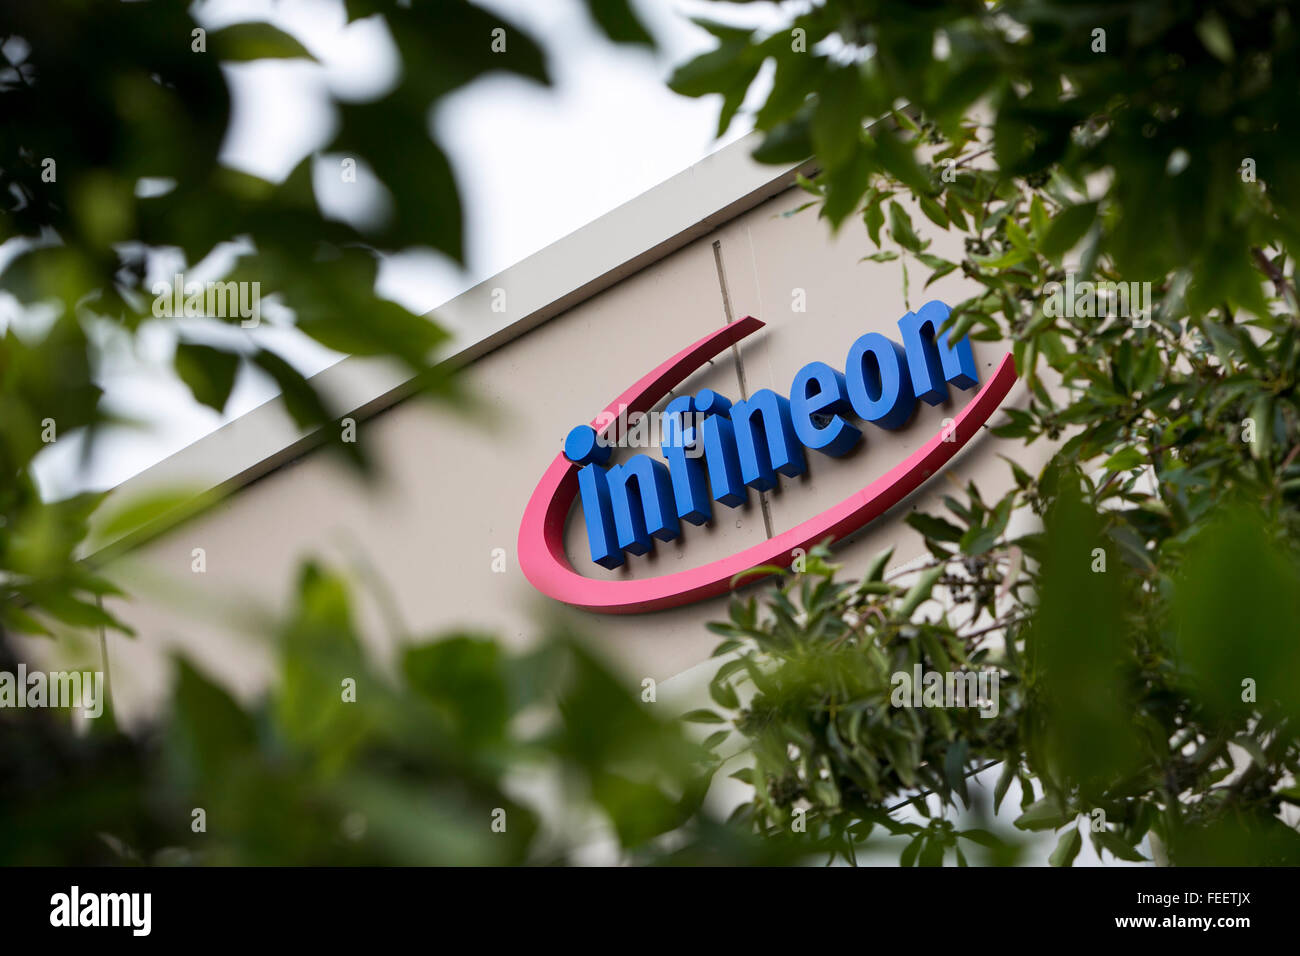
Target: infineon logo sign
(745, 445)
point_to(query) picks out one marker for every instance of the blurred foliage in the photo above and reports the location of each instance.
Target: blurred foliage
(1153, 694)
(114, 114)
(449, 761)
(1164, 98)
(113, 119)
(832, 754)
(1158, 701)
(1143, 636)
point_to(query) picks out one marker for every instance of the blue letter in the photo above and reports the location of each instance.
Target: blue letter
(689, 488)
(925, 356)
(599, 517)
(819, 389)
(879, 389)
(775, 448)
(648, 512)
(582, 448)
(720, 448)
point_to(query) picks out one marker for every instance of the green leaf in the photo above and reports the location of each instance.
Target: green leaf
(933, 211)
(875, 218)
(714, 71)
(899, 159)
(1252, 747)
(619, 22)
(932, 854)
(1022, 477)
(979, 539)
(982, 838)
(1067, 229)
(1125, 459)
(1214, 34)
(1038, 217)
(909, 854)
(723, 694)
(1004, 782)
(836, 120)
(255, 41)
(939, 273)
(900, 227)
(464, 676)
(1067, 848)
(1019, 238)
(209, 372)
(788, 142)
(1116, 845)
(918, 593)
(876, 570)
(142, 511)
(954, 768)
(758, 571)
(300, 398)
(934, 527)
(714, 739)
(1043, 814)
(208, 731)
(419, 175)
(17, 620)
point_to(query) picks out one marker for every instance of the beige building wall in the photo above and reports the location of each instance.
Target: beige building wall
(452, 488)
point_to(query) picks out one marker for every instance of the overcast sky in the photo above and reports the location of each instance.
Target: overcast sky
(533, 164)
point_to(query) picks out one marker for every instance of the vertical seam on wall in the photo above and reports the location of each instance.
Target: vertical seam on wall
(740, 365)
(753, 261)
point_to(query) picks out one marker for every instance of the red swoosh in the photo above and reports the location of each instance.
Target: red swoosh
(541, 533)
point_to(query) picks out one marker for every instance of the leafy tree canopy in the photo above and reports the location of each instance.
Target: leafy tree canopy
(1142, 634)
(113, 119)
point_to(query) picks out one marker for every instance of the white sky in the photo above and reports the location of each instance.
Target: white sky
(534, 164)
